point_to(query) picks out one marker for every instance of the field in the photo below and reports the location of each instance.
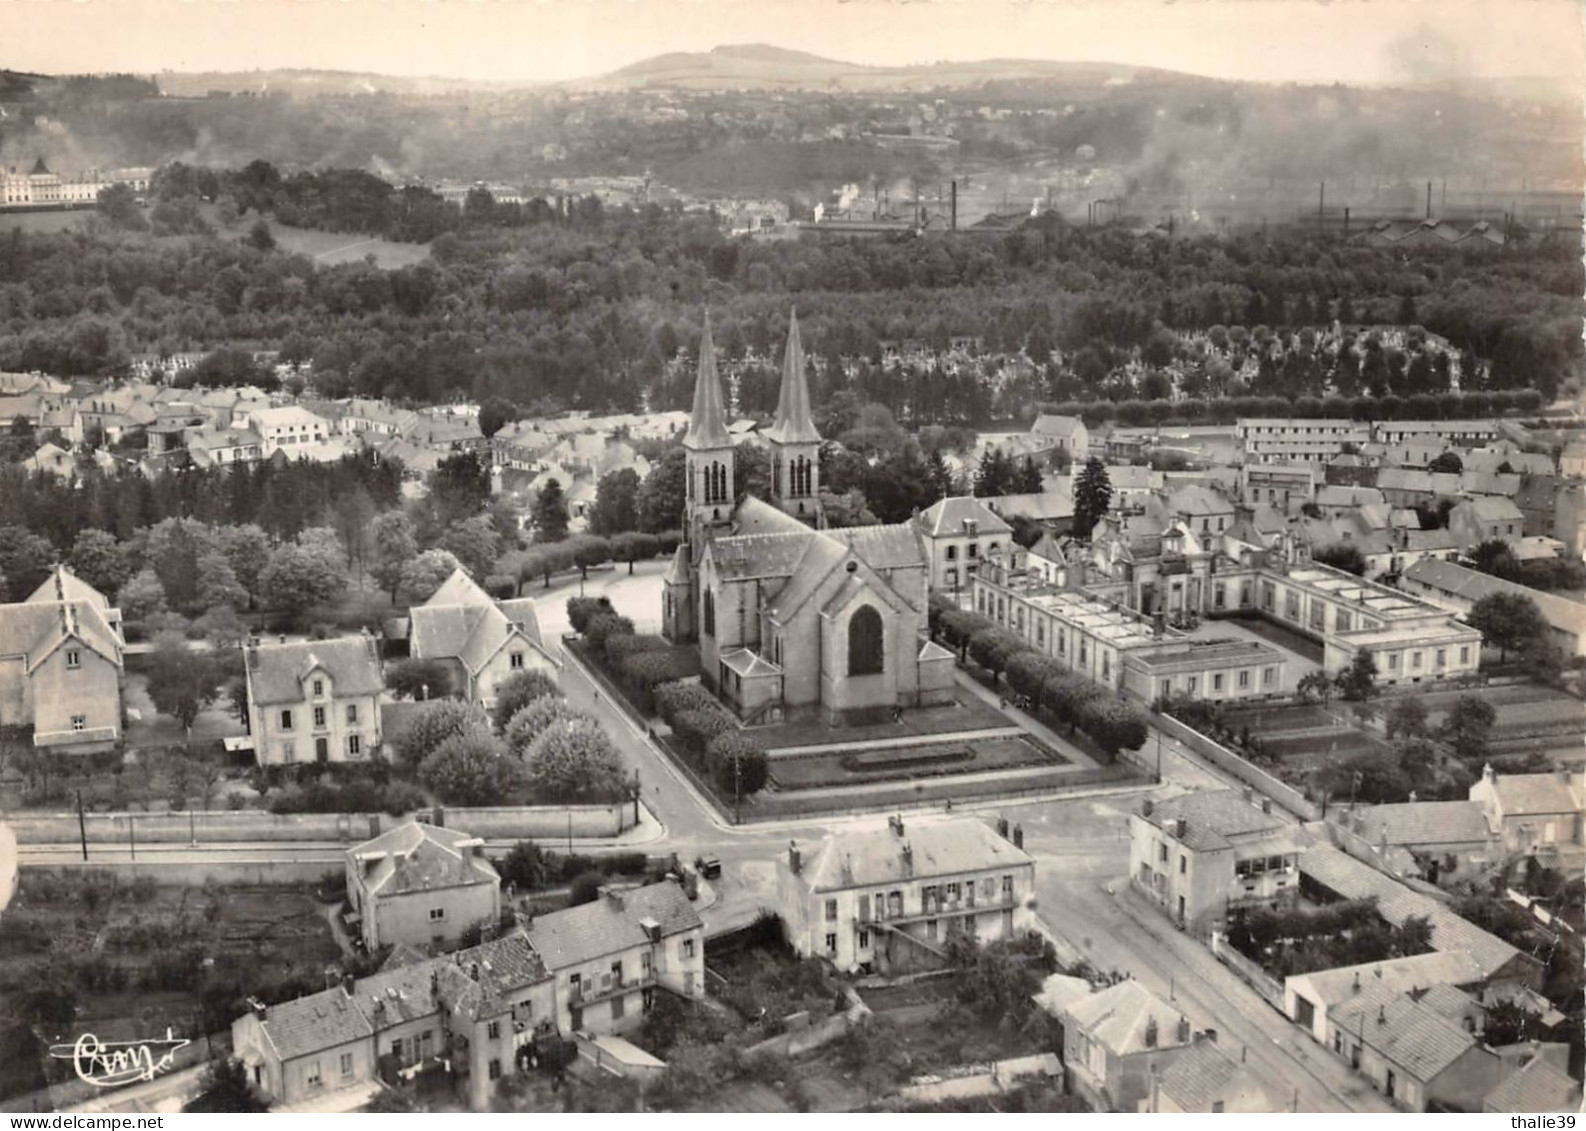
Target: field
(1303, 739)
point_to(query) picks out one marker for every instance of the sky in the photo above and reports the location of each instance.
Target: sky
(1350, 41)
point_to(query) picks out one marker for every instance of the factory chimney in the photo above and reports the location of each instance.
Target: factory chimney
(953, 205)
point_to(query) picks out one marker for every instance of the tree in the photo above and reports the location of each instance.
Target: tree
(25, 560)
(142, 596)
(424, 574)
(1508, 621)
(1342, 555)
(222, 627)
(419, 679)
(545, 561)
(1413, 936)
(634, 546)
(473, 542)
(1407, 717)
(350, 514)
(518, 692)
(218, 584)
(1467, 725)
(663, 495)
(470, 768)
(300, 576)
(247, 548)
(549, 513)
(117, 204)
(226, 1088)
(1092, 496)
(394, 546)
(581, 610)
(616, 506)
(993, 475)
(529, 722)
(1448, 462)
(180, 682)
(1358, 682)
(459, 488)
(851, 508)
(993, 647)
(100, 560)
(588, 550)
(433, 723)
(1495, 557)
(738, 764)
(495, 414)
(260, 238)
(1509, 1023)
(1112, 724)
(574, 760)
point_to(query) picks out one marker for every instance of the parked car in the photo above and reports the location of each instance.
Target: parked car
(708, 866)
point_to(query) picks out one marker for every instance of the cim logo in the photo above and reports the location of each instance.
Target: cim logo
(110, 1064)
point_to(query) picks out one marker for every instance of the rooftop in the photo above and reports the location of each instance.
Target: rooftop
(1196, 654)
(610, 924)
(276, 671)
(1212, 819)
(1120, 1019)
(863, 857)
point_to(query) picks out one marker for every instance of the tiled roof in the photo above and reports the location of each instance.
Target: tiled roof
(1537, 1087)
(1196, 499)
(442, 630)
(310, 1024)
(1524, 794)
(863, 857)
(565, 939)
(1119, 1017)
(755, 516)
(1204, 1075)
(1040, 506)
(1212, 818)
(276, 671)
(738, 557)
(1472, 585)
(1412, 1036)
(1049, 425)
(1424, 822)
(420, 857)
(949, 515)
(1493, 508)
(1448, 1001)
(1419, 971)
(881, 547)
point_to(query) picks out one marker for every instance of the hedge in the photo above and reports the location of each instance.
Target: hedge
(1227, 410)
(581, 609)
(694, 730)
(605, 625)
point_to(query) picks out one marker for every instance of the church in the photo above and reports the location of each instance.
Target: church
(794, 619)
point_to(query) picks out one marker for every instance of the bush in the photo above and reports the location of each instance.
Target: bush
(419, 679)
(433, 723)
(535, 719)
(574, 760)
(518, 692)
(673, 699)
(585, 888)
(470, 768)
(622, 645)
(737, 763)
(606, 625)
(642, 672)
(502, 586)
(694, 730)
(581, 609)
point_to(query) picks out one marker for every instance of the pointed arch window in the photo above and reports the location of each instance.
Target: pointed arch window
(710, 613)
(866, 644)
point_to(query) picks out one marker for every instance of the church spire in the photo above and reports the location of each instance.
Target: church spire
(793, 424)
(706, 427)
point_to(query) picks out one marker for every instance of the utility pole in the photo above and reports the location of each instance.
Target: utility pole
(82, 824)
(132, 835)
(737, 791)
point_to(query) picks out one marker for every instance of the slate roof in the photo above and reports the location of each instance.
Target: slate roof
(62, 608)
(1435, 968)
(1042, 506)
(1203, 1075)
(310, 1024)
(865, 857)
(738, 557)
(1352, 879)
(1493, 508)
(947, 517)
(707, 425)
(565, 939)
(793, 424)
(1064, 427)
(461, 621)
(1472, 585)
(1196, 499)
(1536, 1087)
(1117, 1018)
(420, 857)
(881, 547)
(276, 671)
(1417, 1038)
(1424, 822)
(1525, 794)
(1212, 818)
(1447, 1000)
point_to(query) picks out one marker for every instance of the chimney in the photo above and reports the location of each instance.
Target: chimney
(438, 816)
(612, 896)
(282, 638)
(1488, 774)
(1266, 805)
(908, 859)
(896, 823)
(1382, 1015)
(953, 206)
(1413, 797)
(794, 862)
(473, 971)
(1002, 826)
(374, 825)
(1018, 836)
(1355, 988)
(1183, 1030)
(1250, 796)
(1150, 1033)
(260, 1010)
(1147, 807)
(347, 982)
(1180, 827)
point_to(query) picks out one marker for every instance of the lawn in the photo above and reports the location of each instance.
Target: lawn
(908, 762)
(968, 713)
(87, 953)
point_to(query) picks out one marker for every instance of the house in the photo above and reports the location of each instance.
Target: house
(62, 664)
(957, 534)
(1535, 814)
(1453, 836)
(222, 447)
(1572, 460)
(1309, 998)
(1202, 509)
(1536, 1087)
(1298, 440)
(1068, 432)
(484, 641)
(1132, 484)
(314, 700)
(611, 956)
(370, 418)
(889, 899)
(1285, 487)
(285, 428)
(1053, 509)
(1458, 588)
(1047, 560)
(1203, 1079)
(791, 617)
(1335, 501)
(1485, 519)
(1413, 1054)
(53, 461)
(1117, 1040)
(1201, 854)
(421, 886)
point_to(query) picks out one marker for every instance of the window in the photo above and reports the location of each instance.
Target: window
(1167, 688)
(951, 578)
(493, 1030)
(710, 613)
(352, 712)
(974, 550)
(952, 553)
(864, 940)
(1341, 620)
(1162, 853)
(1464, 653)
(319, 688)
(437, 914)
(1393, 661)
(1217, 1107)
(688, 948)
(1194, 684)
(74, 658)
(495, 1069)
(286, 720)
(312, 1077)
(1269, 676)
(1007, 887)
(288, 752)
(1442, 657)
(354, 745)
(1183, 865)
(619, 1007)
(866, 648)
(831, 910)
(517, 661)
(1415, 659)
(831, 944)
(346, 1065)
(1244, 678)
(864, 908)
(79, 722)
(1040, 633)
(319, 717)
(1217, 682)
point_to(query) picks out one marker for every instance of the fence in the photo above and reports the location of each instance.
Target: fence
(1270, 989)
(1231, 763)
(245, 826)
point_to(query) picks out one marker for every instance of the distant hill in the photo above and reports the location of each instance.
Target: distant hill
(16, 86)
(758, 66)
(308, 83)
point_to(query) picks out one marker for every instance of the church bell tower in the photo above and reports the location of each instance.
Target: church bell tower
(709, 455)
(795, 444)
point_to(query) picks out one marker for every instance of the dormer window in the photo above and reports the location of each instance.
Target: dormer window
(74, 658)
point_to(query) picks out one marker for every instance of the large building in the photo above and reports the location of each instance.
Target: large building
(421, 886)
(958, 534)
(1457, 588)
(791, 617)
(314, 700)
(484, 642)
(890, 899)
(61, 665)
(1118, 1041)
(478, 1016)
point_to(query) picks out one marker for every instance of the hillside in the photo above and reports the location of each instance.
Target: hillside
(309, 83)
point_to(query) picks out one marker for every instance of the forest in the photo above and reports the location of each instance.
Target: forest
(600, 308)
